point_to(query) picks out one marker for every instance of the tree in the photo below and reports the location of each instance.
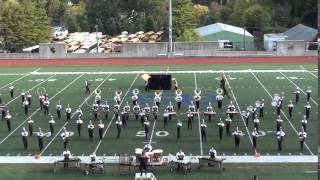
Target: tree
(75, 18)
(256, 17)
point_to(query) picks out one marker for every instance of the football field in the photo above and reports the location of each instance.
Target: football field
(248, 83)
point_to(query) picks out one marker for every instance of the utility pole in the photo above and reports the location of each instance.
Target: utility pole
(170, 29)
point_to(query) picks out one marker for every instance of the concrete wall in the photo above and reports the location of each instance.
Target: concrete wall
(191, 49)
(293, 48)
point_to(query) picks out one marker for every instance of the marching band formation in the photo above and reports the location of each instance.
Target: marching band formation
(145, 113)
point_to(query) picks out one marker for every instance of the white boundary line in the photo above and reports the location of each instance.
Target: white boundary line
(299, 88)
(105, 132)
(294, 129)
(310, 72)
(29, 90)
(15, 81)
(198, 114)
(67, 122)
(69, 84)
(235, 99)
(153, 127)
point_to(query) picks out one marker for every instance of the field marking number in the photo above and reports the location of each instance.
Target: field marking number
(158, 133)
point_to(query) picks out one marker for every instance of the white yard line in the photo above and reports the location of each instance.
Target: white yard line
(198, 114)
(105, 132)
(30, 89)
(172, 72)
(15, 81)
(294, 129)
(298, 87)
(310, 72)
(39, 109)
(235, 99)
(66, 123)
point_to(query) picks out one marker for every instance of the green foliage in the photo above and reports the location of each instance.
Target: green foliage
(256, 17)
(23, 23)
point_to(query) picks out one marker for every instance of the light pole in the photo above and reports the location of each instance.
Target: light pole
(170, 29)
(96, 26)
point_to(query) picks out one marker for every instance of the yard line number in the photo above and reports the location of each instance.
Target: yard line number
(158, 133)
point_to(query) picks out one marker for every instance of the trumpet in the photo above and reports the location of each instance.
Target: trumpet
(118, 92)
(135, 92)
(197, 91)
(178, 92)
(219, 91)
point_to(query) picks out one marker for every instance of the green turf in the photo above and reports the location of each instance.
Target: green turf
(233, 171)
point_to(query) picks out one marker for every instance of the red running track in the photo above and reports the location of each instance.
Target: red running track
(151, 61)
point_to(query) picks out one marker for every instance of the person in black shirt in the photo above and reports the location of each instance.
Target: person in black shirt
(143, 160)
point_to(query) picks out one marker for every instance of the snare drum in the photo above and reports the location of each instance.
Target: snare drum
(157, 155)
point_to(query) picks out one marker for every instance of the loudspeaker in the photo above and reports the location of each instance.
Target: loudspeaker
(160, 82)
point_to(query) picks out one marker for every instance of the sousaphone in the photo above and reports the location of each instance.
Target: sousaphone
(158, 93)
(219, 91)
(197, 91)
(97, 92)
(118, 93)
(178, 92)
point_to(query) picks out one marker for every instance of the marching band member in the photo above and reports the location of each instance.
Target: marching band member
(23, 96)
(279, 123)
(142, 116)
(290, 108)
(119, 126)
(228, 123)
(191, 108)
(87, 88)
(65, 137)
(41, 99)
(147, 148)
(212, 153)
(126, 110)
(25, 106)
(46, 103)
(30, 126)
(93, 157)
(308, 91)
(190, 119)
(146, 127)
(67, 155)
(246, 116)
(90, 130)
(146, 86)
(157, 99)
(123, 119)
(8, 119)
(95, 108)
(297, 94)
(155, 110)
(231, 109)
(256, 122)
(175, 84)
(11, 87)
(219, 99)
(24, 135)
(281, 100)
(261, 107)
(116, 109)
(97, 98)
(3, 113)
(117, 98)
(203, 127)
(58, 108)
(280, 136)
(178, 98)
(237, 134)
(170, 110)
(29, 96)
(40, 139)
(180, 155)
(302, 135)
(135, 97)
(79, 112)
(105, 109)
(209, 111)
(147, 110)
(101, 127)
(79, 124)
(143, 160)
(304, 123)
(136, 109)
(51, 125)
(308, 108)
(68, 112)
(221, 126)
(165, 118)
(279, 105)
(254, 112)
(255, 136)
(197, 98)
(179, 125)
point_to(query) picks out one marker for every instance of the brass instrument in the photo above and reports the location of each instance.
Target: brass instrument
(178, 92)
(135, 92)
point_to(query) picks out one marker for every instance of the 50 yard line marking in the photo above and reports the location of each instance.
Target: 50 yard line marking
(39, 109)
(294, 129)
(308, 71)
(299, 88)
(198, 114)
(66, 123)
(105, 132)
(235, 99)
